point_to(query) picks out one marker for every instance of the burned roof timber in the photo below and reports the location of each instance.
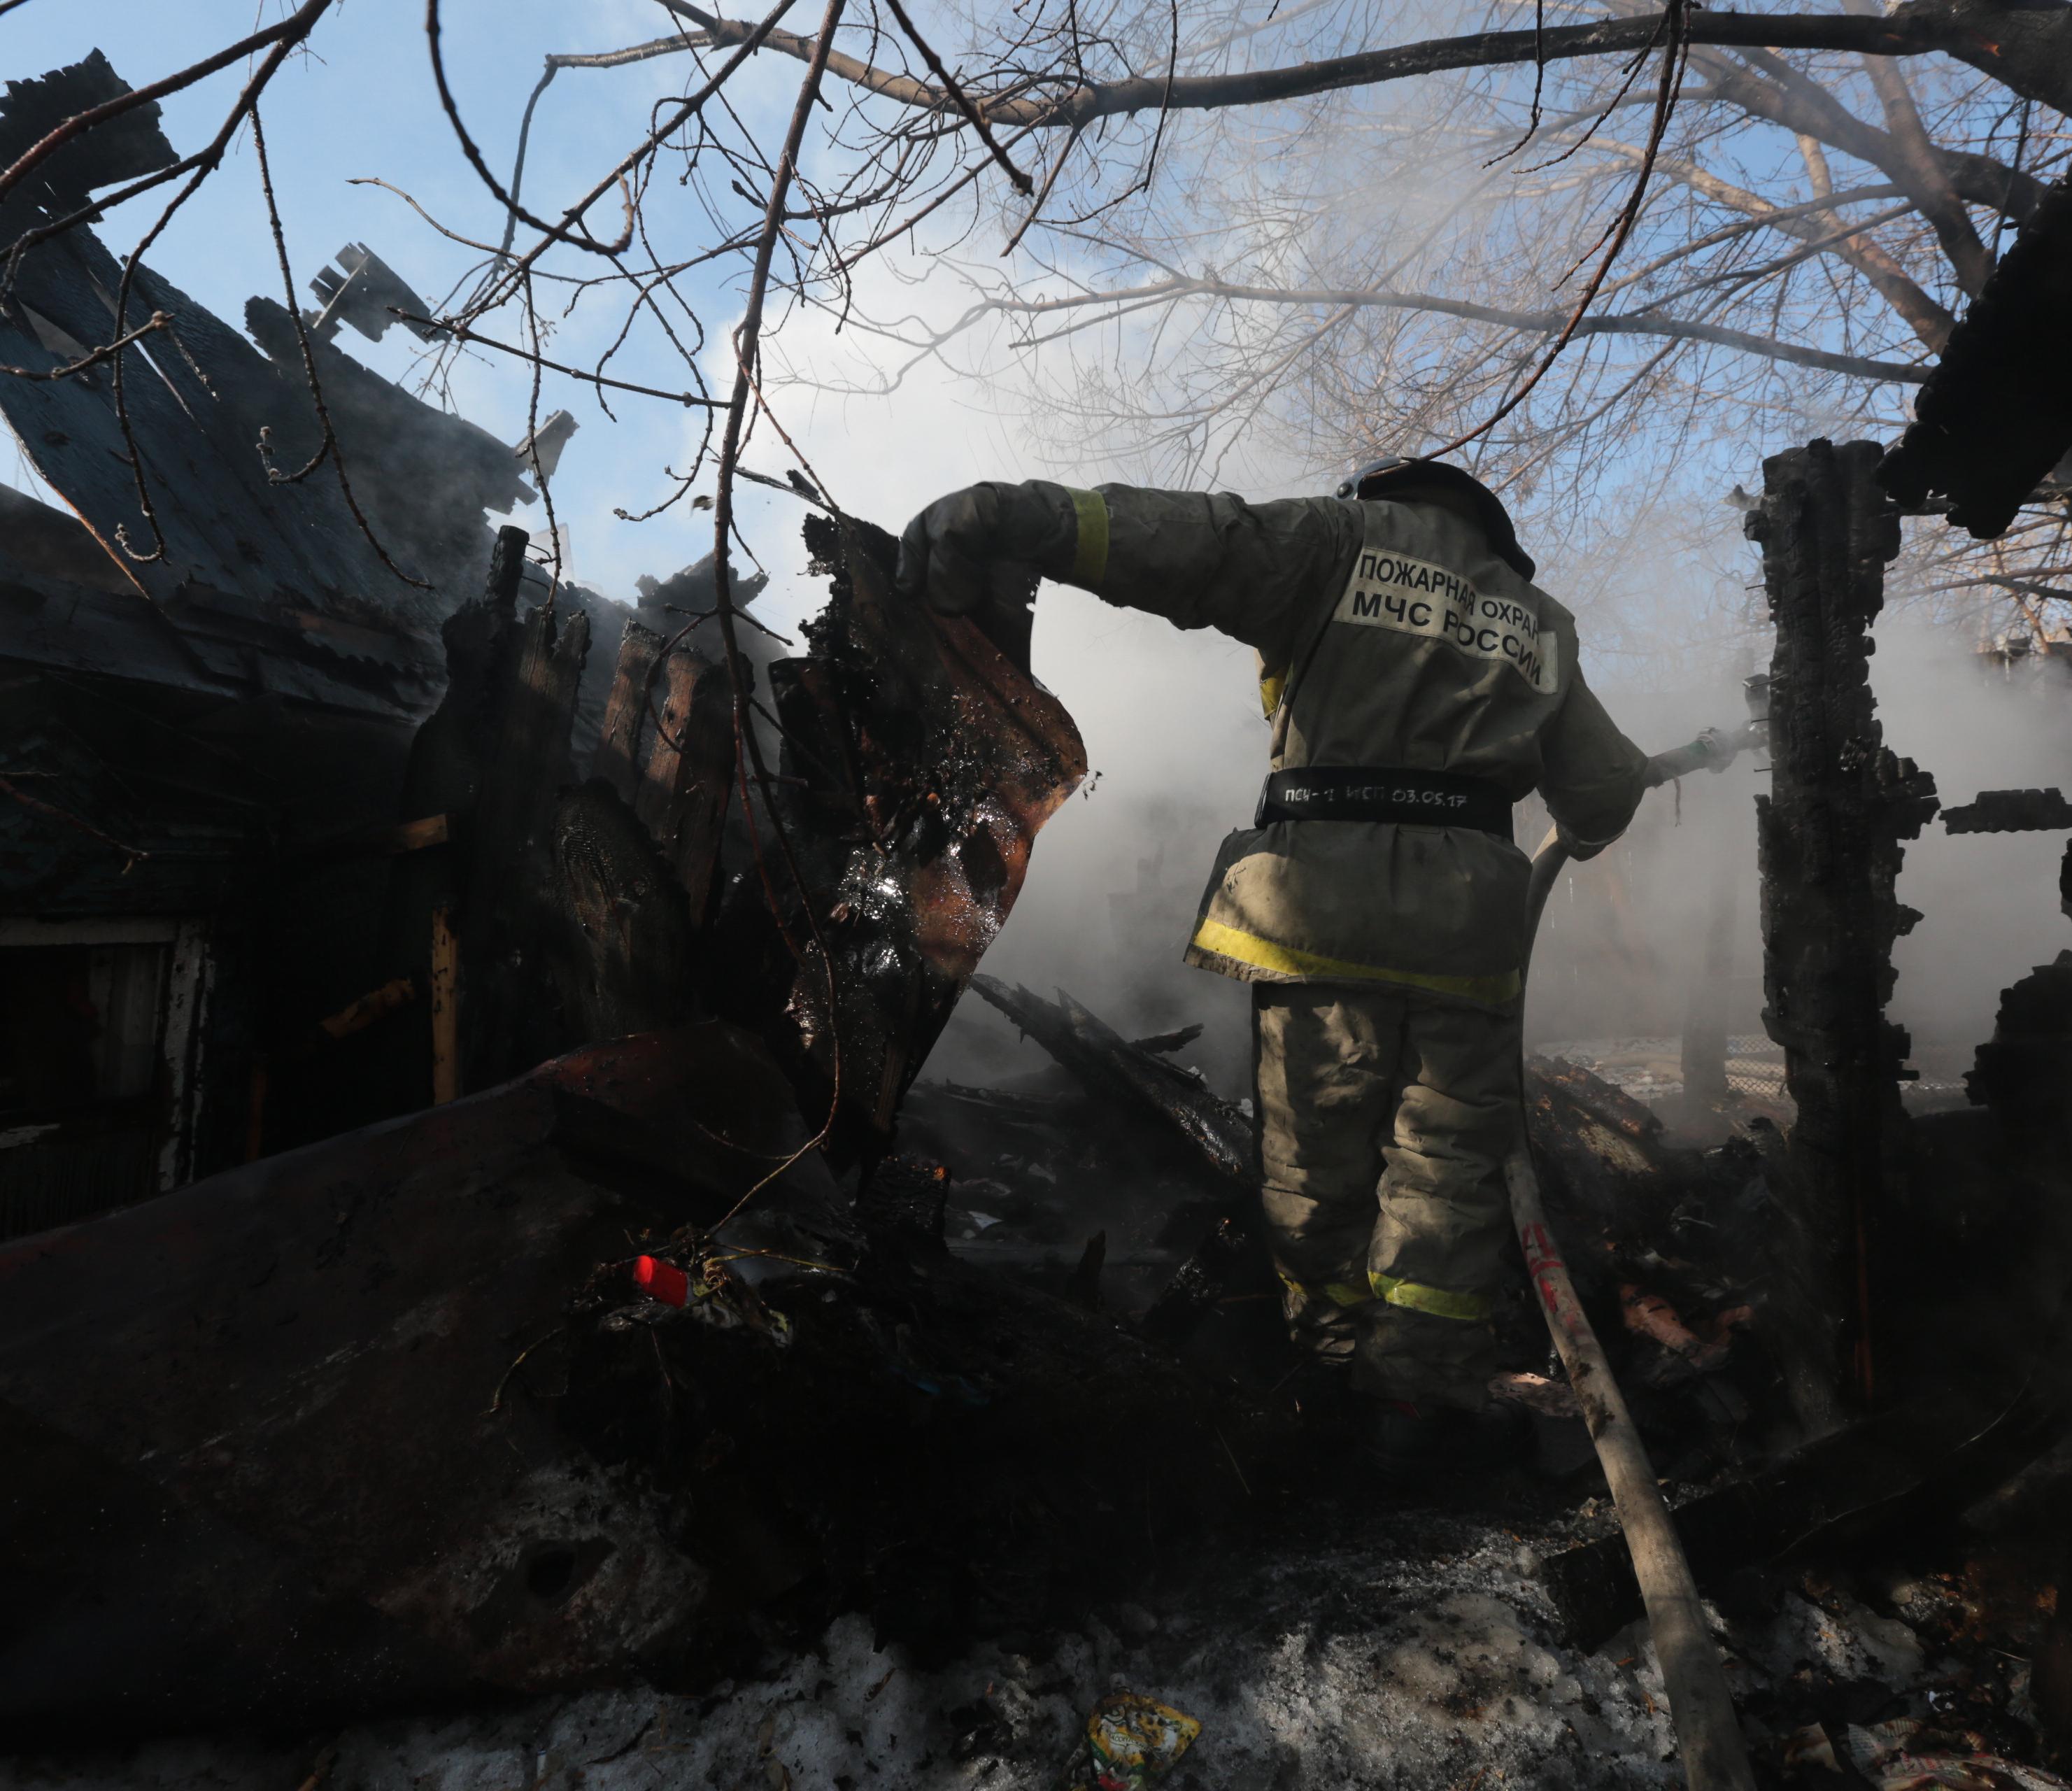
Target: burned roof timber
(1995, 415)
(201, 399)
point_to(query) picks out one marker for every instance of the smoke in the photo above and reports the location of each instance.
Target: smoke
(1623, 949)
(1178, 746)
(1988, 901)
(1669, 630)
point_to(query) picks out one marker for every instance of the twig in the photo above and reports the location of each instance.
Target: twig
(451, 236)
(123, 421)
(1538, 87)
(561, 233)
(159, 320)
(688, 109)
(462, 332)
(1236, 1470)
(673, 44)
(786, 485)
(1050, 180)
(700, 616)
(497, 1398)
(557, 571)
(1673, 61)
(820, 485)
(36, 805)
(1023, 183)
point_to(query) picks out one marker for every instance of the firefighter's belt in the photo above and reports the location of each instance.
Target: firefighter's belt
(1362, 792)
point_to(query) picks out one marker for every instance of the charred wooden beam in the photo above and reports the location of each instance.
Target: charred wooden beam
(2022, 1073)
(1229, 1257)
(445, 976)
(2011, 812)
(121, 148)
(1828, 840)
(355, 1016)
(449, 755)
(389, 841)
(1163, 1044)
(1891, 1474)
(1113, 1068)
(224, 528)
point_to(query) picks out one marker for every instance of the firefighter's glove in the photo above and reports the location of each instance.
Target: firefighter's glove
(974, 544)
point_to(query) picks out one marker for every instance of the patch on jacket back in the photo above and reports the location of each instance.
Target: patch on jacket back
(1392, 590)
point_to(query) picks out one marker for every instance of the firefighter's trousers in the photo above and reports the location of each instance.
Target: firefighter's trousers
(1384, 1123)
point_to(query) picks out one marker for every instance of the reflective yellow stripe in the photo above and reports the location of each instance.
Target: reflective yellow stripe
(1271, 686)
(1247, 948)
(1090, 558)
(1437, 1301)
(1339, 1293)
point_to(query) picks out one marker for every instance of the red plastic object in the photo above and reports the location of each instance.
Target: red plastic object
(661, 1281)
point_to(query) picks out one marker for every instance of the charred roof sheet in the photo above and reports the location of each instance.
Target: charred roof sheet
(64, 607)
(122, 148)
(199, 398)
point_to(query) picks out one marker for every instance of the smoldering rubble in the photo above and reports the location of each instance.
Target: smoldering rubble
(501, 1293)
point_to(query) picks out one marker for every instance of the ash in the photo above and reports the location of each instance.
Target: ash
(1420, 1653)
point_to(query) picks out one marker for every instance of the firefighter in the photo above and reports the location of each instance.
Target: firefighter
(1418, 684)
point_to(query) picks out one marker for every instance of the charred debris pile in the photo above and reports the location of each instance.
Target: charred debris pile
(595, 1361)
(476, 1227)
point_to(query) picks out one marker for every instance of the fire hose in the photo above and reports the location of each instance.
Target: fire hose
(1700, 1706)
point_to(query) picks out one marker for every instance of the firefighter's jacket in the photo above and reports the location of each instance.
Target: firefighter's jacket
(1389, 635)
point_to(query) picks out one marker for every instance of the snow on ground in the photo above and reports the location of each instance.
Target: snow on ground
(1422, 1655)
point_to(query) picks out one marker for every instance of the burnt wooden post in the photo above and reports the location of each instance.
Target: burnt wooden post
(512, 928)
(637, 847)
(616, 758)
(427, 890)
(682, 796)
(1827, 839)
(628, 964)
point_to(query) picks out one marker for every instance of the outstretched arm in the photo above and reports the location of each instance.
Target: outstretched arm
(1592, 777)
(1199, 559)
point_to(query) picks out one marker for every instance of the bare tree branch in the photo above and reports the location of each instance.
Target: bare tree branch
(1023, 183)
(1931, 322)
(107, 351)
(1545, 322)
(461, 331)
(1918, 28)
